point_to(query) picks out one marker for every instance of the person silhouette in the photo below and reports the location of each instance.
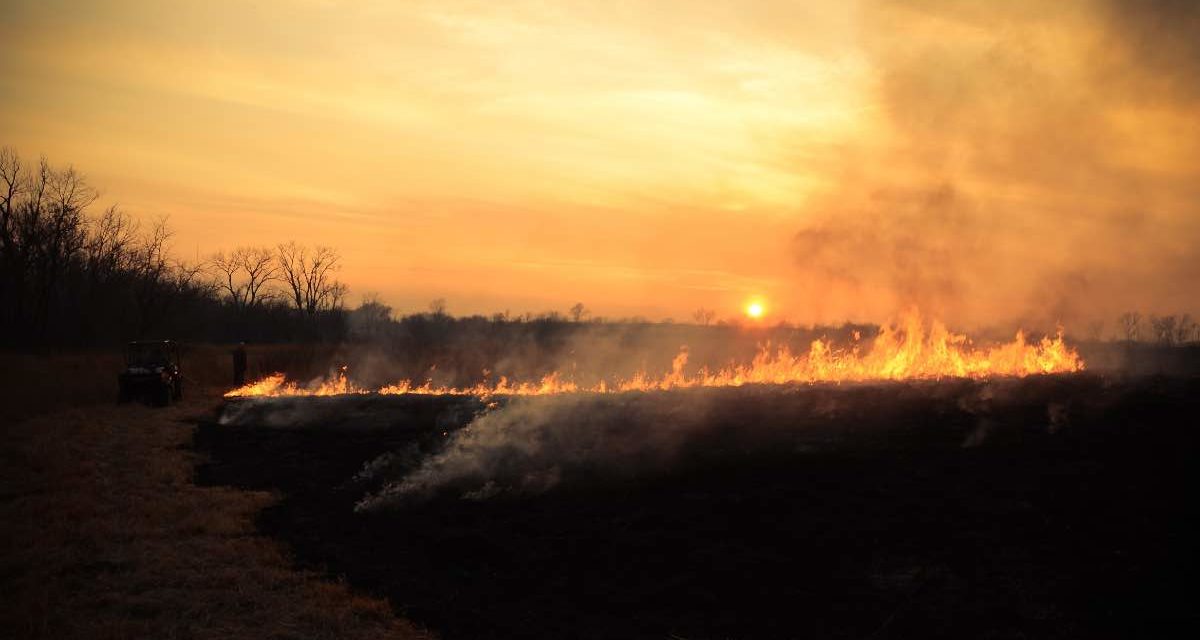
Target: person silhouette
(239, 364)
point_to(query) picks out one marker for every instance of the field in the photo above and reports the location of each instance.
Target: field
(1040, 507)
(568, 320)
(1056, 506)
(104, 534)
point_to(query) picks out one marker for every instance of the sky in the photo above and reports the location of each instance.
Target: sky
(1023, 162)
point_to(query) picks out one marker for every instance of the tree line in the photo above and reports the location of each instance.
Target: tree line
(73, 277)
(70, 276)
(1166, 330)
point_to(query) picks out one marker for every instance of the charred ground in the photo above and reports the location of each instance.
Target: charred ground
(1044, 507)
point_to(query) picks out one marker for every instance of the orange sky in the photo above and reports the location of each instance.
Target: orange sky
(644, 158)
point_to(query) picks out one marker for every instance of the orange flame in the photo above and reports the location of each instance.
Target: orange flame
(910, 351)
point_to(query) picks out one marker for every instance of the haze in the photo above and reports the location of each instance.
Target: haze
(990, 162)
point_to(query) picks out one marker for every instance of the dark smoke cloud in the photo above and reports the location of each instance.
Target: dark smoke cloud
(1040, 163)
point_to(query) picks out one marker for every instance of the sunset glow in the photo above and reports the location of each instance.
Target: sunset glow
(541, 319)
(846, 159)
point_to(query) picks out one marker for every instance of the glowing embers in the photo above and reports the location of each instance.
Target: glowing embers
(909, 350)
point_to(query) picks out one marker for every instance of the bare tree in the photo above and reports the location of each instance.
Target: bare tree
(108, 260)
(291, 259)
(246, 274)
(323, 291)
(107, 250)
(260, 268)
(70, 277)
(1185, 329)
(1130, 324)
(578, 312)
(152, 271)
(227, 268)
(336, 296)
(12, 183)
(437, 307)
(371, 319)
(48, 233)
(190, 276)
(704, 316)
(309, 277)
(67, 275)
(1164, 328)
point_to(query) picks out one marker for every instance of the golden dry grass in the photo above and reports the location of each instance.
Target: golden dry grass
(104, 535)
(34, 383)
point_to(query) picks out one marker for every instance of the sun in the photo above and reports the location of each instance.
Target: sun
(755, 310)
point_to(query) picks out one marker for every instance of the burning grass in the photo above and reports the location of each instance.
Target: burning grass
(910, 350)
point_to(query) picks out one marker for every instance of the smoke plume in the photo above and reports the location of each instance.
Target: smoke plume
(1031, 162)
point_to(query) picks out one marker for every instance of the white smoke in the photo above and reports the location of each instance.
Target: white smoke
(533, 444)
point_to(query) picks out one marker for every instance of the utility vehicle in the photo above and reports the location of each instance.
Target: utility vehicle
(151, 373)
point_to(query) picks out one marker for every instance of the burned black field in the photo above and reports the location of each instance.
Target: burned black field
(1039, 507)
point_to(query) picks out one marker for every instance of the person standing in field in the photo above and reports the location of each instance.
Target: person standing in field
(239, 364)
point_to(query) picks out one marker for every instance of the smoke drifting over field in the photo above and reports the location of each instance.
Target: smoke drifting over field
(531, 445)
(1034, 162)
(999, 503)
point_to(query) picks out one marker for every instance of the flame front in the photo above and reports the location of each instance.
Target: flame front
(908, 351)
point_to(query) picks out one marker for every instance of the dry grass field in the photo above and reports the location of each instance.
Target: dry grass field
(1044, 507)
(36, 383)
(104, 534)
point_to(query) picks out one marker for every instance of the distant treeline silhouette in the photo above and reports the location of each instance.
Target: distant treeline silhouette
(75, 278)
(71, 277)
